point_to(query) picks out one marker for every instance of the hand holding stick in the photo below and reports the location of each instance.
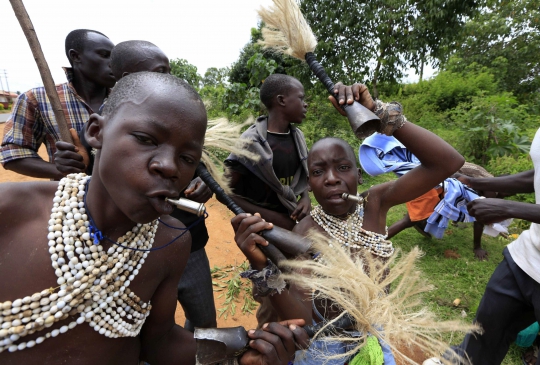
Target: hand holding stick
(280, 239)
(46, 77)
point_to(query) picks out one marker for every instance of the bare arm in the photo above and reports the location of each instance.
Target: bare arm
(495, 210)
(439, 161)
(512, 184)
(163, 342)
(35, 167)
(291, 303)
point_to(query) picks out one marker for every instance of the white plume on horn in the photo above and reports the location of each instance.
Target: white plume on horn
(286, 30)
(357, 286)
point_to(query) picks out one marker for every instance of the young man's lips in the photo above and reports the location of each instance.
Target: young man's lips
(335, 196)
(161, 205)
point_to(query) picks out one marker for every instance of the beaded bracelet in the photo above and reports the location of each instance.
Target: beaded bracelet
(391, 115)
(266, 282)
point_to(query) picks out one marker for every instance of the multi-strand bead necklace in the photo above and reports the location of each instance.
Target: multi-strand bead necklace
(93, 283)
(349, 232)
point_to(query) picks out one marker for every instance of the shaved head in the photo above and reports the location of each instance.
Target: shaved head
(135, 86)
(133, 56)
(328, 142)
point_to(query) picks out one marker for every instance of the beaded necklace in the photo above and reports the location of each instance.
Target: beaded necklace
(349, 232)
(93, 283)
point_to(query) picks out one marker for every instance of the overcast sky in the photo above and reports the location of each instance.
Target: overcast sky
(207, 33)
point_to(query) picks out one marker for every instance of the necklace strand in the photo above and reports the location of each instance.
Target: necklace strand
(349, 232)
(94, 284)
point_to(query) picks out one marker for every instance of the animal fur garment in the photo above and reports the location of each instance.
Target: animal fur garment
(286, 30)
(225, 136)
(357, 287)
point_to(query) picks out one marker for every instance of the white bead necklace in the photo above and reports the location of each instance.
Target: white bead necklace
(93, 283)
(349, 232)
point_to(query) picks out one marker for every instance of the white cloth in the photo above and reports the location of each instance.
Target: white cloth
(525, 250)
(495, 229)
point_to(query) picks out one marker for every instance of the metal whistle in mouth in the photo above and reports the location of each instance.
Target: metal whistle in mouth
(189, 206)
(353, 198)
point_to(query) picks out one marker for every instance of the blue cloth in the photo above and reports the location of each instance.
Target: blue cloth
(380, 154)
(453, 207)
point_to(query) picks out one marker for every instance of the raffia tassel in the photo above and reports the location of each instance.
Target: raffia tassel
(224, 135)
(286, 30)
(357, 286)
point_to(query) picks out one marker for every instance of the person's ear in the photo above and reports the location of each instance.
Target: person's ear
(74, 56)
(94, 131)
(309, 186)
(125, 74)
(281, 100)
(360, 178)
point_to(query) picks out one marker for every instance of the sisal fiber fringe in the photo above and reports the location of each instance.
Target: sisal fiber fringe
(357, 287)
(286, 30)
(225, 136)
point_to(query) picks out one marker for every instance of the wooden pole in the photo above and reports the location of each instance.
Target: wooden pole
(46, 77)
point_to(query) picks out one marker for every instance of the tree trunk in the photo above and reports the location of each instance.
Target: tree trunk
(374, 82)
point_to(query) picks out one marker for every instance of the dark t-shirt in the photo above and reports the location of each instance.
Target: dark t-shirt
(199, 233)
(285, 163)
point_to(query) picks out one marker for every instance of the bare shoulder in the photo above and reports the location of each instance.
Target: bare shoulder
(25, 199)
(306, 226)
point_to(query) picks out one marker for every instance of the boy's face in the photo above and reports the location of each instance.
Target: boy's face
(94, 60)
(149, 150)
(295, 106)
(332, 172)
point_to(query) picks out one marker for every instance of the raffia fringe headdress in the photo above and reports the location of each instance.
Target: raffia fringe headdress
(357, 287)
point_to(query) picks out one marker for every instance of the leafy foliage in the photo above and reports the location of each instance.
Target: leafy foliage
(240, 70)
(216, 76)
(183, 69)
(376, 40)
(505, 37)
(234, 288)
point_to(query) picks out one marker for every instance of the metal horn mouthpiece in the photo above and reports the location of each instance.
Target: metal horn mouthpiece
(354, 198)
(188, 206)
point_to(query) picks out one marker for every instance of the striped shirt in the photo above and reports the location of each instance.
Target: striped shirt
(33, 123)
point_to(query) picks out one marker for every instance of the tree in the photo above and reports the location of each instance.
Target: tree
(505, 37)
(377, 40)
(241, 71)
(185, 70)
(215, 76)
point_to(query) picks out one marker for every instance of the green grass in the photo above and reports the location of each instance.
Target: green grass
(464, 278)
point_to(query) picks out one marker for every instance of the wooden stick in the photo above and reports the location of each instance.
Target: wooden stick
(46, 77)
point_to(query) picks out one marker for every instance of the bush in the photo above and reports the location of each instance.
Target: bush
(509, 165)
(1, 106)
(513, 165)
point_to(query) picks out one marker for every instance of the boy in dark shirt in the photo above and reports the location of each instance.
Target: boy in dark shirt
(276, 186)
